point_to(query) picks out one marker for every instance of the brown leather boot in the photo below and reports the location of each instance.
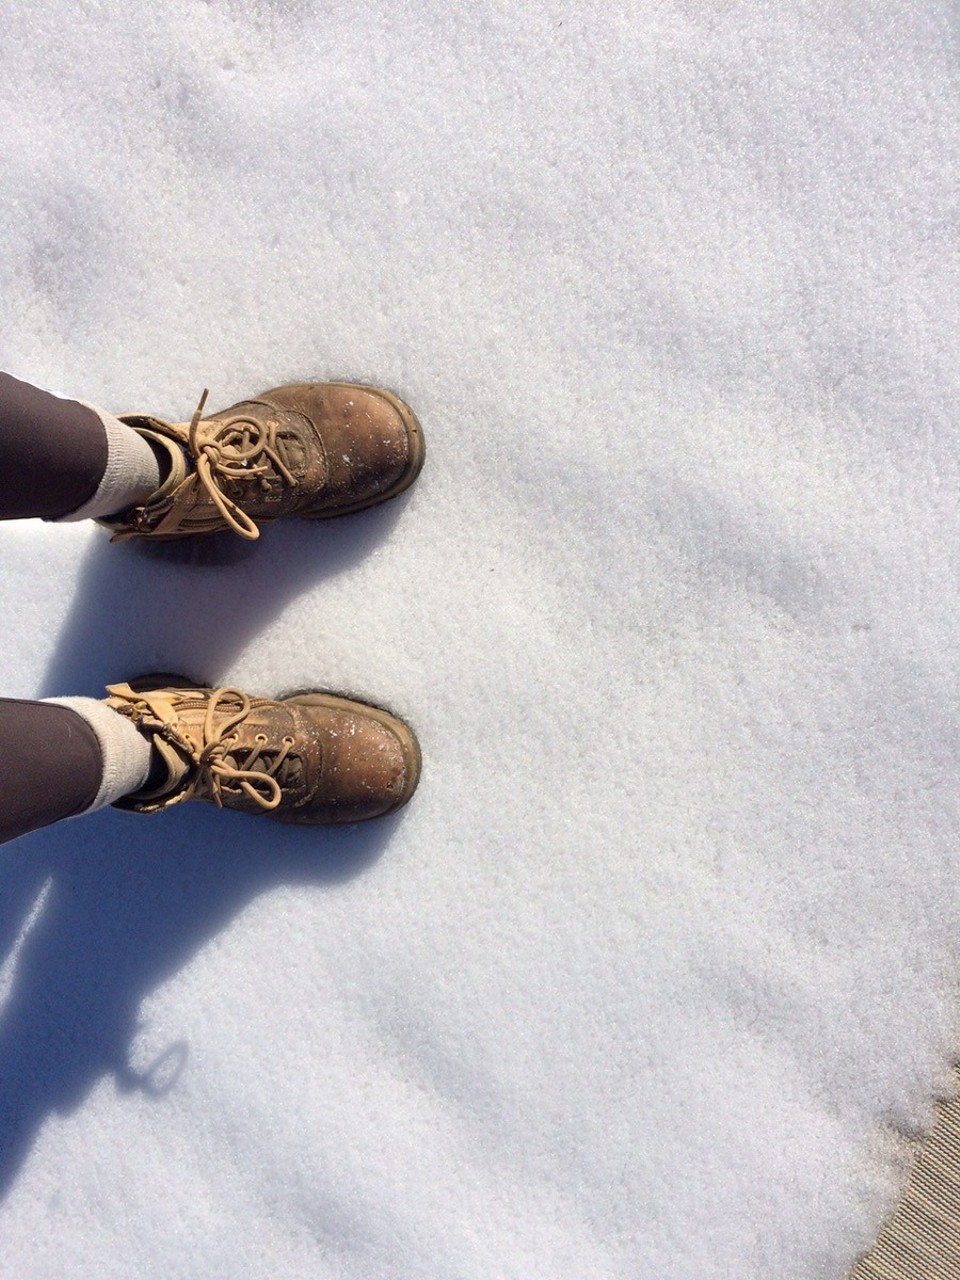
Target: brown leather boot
(312, 758)
(312, 449)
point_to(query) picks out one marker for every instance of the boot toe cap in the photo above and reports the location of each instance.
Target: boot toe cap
(370, 763)
(373, 444)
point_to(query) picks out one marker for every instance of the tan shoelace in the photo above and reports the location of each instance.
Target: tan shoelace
(235, 449)
(216, 764)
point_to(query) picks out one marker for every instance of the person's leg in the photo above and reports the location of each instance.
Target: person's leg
(63, 459)
(60, 759)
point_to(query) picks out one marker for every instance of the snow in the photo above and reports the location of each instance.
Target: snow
(657, 975)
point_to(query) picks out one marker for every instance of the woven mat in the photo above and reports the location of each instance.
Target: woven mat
(922, 1239)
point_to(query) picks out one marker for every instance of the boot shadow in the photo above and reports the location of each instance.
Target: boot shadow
(95, 913)
(193, 605)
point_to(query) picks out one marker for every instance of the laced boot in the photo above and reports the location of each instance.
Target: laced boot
(311, 759)
(312, 449)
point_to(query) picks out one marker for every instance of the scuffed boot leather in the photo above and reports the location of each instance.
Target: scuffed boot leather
(313, 758)
(311, 449)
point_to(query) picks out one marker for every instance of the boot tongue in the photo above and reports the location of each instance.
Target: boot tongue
(167, 773)
(172, 460)
(165, 784)
(171, 765)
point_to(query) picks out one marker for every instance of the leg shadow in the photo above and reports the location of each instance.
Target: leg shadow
(120, 903)
(193, 605)
(95, 913)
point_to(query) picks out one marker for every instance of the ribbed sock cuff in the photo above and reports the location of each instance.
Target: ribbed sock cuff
(132, 472)
(127, 754)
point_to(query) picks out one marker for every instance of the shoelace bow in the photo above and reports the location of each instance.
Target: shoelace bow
(236, 449)
(212, 757)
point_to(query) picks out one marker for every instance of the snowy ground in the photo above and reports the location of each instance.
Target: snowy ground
(659, 971)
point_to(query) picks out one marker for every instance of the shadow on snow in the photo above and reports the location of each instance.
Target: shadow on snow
(95, 913)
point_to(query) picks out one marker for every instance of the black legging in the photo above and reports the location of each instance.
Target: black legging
(53, 452)
(50, 765)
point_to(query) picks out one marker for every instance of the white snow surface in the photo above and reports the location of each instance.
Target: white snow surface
(657, 975)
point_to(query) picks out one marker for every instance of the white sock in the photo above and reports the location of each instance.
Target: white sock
(127, 753)
(132, 473)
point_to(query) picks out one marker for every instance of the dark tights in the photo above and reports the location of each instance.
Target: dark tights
(50, 765)
(53, 452)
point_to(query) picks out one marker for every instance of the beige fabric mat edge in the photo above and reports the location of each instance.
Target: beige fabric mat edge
(922, 1239)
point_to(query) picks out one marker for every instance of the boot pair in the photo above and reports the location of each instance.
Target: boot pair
(312, 450)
